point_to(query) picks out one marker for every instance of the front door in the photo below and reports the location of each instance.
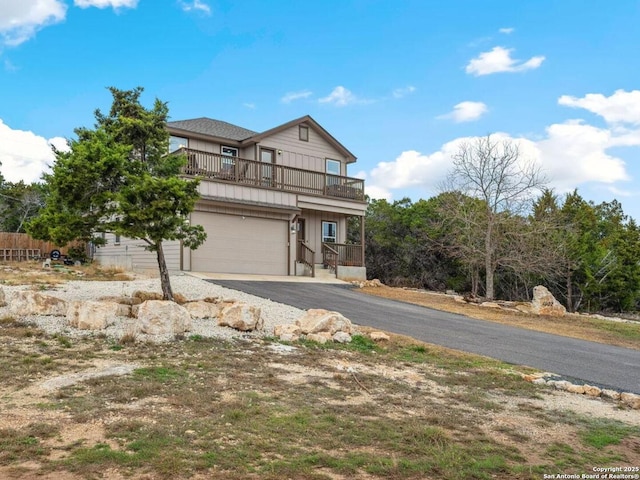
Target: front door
(302, 234)
(268, 158)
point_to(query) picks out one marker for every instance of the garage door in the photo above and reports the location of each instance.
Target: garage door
(241, 245)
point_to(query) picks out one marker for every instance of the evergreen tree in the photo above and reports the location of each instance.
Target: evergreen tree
(118, 177)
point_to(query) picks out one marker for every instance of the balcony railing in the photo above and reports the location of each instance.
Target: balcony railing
(335, 254)
(217, 167)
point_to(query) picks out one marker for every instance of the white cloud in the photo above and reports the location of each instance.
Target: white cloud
(411, 169)
(25, 155)
(340, 97)
(507, 30)
(292, 96)
(571, 155)
(466, 112)
(499, 60)
(250, 106)
(197, 6)
(621, 107)
(20, 20)
(115, 4)
(403, 92)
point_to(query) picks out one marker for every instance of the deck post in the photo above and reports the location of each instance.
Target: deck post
(362, 239)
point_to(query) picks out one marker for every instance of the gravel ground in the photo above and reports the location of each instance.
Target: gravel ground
(192, 288)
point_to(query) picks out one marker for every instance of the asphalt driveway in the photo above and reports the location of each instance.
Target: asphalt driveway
(578, 360)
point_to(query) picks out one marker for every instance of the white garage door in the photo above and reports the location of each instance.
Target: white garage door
(241, 245)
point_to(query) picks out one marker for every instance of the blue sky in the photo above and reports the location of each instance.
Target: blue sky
(399, 82)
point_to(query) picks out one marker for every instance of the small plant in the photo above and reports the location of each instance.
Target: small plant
(64, 341)
(129, 338)
(602, 434)
(364, 344)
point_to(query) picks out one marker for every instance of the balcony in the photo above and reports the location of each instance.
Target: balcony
(223, 168)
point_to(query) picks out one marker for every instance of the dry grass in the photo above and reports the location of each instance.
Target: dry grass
(582, 327)
(32, 273)
(218, 410)
(211, 409)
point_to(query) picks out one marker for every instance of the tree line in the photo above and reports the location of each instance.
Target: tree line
(587, 254)
(19, 203)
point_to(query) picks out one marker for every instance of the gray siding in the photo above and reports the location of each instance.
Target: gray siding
(130, 254)
(231, 192)
(309, 155)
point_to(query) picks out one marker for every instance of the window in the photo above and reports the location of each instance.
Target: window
(117, 240)
(229, 151)
(333, 171)
(329, 232)
(176, 143)
(333, 167)
(303, 133)
(229, 154)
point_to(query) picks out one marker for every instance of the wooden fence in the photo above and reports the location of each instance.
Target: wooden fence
(20, 246)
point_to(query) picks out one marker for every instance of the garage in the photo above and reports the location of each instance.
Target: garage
(241, 244)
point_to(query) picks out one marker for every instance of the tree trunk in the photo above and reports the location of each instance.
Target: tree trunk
(569, 291)
(167, 294)
(488, 262)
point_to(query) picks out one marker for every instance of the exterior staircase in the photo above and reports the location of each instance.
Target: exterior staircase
(324, 273)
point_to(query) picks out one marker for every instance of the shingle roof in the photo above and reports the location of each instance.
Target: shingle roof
(216, 128)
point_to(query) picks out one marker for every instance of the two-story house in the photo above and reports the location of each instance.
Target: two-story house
(274, 203)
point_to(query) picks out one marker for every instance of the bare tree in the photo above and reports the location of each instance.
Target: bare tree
(494, 173)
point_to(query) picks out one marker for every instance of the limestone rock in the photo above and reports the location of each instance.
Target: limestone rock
(368, 283)
(241, 317)
(34, 303)
(341, 337)
(630, 400)
(2, 298)
(202, 309)
(123, 310)
(379, 337)
(143, 296)
(559, 384)
(612, 394)
(489, 305)
(158, 317)
(544, 303)
(122, 300)
(288, 328)
(576, 389)
(524, 308)
(289, 337)
(319, 320)
(592, 391)
(91, 315)
(321, 337)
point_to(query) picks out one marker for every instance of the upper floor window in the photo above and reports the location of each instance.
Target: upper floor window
(176, 143)
(303, 133)
(229, 154)
(333, 167)
(229, 151)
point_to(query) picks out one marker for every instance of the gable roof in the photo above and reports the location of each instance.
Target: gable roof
(214, 128)
(309, 121)
(228, 131)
